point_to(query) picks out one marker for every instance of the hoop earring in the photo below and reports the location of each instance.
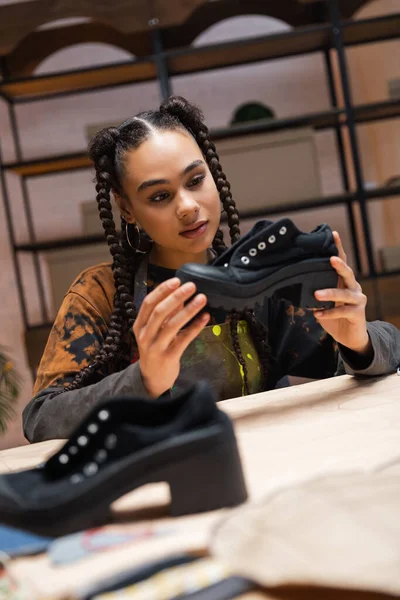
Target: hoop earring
(135, 245)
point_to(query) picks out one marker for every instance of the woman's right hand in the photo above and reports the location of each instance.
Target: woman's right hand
(158, 334)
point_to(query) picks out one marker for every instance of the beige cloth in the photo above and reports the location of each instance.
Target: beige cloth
(340, 531)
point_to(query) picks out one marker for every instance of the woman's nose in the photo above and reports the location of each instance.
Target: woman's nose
(187, 205)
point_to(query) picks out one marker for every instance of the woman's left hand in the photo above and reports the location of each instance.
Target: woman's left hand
(346, 322)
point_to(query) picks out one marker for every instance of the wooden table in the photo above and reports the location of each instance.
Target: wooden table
(285, 436)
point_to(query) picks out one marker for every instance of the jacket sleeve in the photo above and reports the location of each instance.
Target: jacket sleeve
(385, 355)
(76, 336)
(51, 415)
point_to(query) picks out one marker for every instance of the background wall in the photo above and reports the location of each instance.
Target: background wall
(289, 86)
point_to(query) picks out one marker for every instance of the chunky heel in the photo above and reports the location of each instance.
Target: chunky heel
(208, 480)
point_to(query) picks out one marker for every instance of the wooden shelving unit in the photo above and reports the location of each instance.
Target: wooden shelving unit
(163, 66)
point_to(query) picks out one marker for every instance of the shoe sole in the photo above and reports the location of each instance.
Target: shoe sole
(203, 470)
(312, 275)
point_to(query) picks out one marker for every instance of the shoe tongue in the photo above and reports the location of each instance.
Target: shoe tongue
(260, 225)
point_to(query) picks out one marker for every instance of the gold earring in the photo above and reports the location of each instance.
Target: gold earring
(136, 244)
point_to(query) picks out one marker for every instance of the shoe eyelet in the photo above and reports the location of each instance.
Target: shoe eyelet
(253, 252)
(90, 469)
(282, 230)
(93, 428)
(245, 260)
(272, 239)
(111, 441)
(262, 246)
(63, 459)
(73, 450)
(76, 478)
(104, 415)
(82, 440)
(100, 456)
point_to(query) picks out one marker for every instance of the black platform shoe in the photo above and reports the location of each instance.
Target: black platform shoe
(273, 258)
(124, 444)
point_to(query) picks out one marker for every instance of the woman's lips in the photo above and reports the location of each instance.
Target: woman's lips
(194, 233)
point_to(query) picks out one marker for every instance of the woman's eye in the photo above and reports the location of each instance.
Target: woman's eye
(196, 181)
(159, 198)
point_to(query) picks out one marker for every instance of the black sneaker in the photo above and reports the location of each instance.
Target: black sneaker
(124, 444)
(272, 259)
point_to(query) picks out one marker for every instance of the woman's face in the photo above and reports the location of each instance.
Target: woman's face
(171, 194)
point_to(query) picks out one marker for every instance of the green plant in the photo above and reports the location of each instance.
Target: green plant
(10, 387)
(251, 111)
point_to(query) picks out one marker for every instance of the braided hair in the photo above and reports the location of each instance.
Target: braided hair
(108, 150)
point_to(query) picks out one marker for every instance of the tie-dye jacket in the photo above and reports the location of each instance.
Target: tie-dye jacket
(298, 345)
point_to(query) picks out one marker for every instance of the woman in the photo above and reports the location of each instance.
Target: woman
(117, 329)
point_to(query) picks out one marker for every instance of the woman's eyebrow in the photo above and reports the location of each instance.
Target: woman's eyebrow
(152, 182)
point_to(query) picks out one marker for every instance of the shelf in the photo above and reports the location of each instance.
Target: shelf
(375, 112)
(241, 52)
(61, 243)
(183, 61)
(47, 86)
(39, 326)
(383, 192)
(46, 166)
(363, 114)
(299, 41)
(332, 200)
(69, 162)
(322, 120)
(365, 31)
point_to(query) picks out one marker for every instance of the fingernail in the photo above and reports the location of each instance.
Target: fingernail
(319, 313)
(320, 293)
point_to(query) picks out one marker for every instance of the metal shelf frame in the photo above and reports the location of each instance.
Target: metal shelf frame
(161, 66)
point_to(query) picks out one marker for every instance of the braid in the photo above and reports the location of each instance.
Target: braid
(112, 348)
(259, 334)
(218, 243)
(124, 266)
(233, 323)
(122, 277)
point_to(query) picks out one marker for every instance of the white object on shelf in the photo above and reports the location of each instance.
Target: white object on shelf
(390, 257)
(271, 169)
(394, 89)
